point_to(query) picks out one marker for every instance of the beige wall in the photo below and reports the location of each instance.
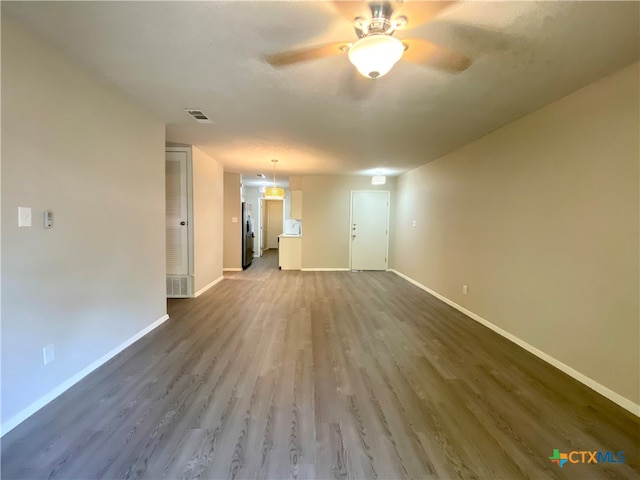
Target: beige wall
(326, 213)
(208, 199)
(77, 146)
(232, 231)
(541, 220)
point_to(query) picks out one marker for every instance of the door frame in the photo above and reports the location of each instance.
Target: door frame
(257, 229)
(388, 192)
(189, 194)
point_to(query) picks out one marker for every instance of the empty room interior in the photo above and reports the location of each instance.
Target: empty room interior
(320, 239)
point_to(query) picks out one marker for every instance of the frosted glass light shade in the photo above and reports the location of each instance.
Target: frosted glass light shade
(375, 55)
(378, 180)
(274, 193)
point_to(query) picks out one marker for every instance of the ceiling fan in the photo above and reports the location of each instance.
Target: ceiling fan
(376, 51)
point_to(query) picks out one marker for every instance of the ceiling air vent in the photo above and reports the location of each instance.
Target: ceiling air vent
(198, 115)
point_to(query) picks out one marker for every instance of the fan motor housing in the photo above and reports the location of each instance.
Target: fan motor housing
(380, 22)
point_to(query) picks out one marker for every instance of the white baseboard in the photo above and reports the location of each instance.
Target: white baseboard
(64, 386)
(589, 382)
(325, 269)
(231, 269)
(207, 287)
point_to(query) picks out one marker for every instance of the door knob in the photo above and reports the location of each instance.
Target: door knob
(183, 223)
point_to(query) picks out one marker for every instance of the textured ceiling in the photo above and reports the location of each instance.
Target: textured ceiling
(321, 117)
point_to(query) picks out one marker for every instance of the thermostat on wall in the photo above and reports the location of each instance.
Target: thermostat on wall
(48, 219)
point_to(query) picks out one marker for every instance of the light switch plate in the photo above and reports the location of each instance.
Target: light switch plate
(49, 353)
(234, 219)
(24, 217)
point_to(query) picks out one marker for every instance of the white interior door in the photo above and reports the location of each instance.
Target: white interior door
(260, 227)
(177, 213)
(369, 230)
(275, 222)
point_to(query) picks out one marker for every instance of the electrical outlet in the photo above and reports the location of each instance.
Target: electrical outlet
(48, 354)
(414, 224)
(464, 289)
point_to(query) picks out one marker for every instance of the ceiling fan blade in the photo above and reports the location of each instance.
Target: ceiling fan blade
(352, 9)
(308, 53)
(429, 54)
(418, 12)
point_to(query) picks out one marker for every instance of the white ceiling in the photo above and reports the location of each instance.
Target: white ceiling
(320, 117)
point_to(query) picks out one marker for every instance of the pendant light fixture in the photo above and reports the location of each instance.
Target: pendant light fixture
(274, 193)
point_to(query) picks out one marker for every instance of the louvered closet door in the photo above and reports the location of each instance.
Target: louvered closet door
(177, 230)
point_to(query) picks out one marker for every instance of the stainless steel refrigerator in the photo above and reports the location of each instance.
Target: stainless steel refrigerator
(247, 237)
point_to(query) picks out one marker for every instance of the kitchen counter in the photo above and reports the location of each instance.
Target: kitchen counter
(289, 251)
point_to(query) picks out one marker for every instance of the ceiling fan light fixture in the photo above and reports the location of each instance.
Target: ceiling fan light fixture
(375, 55)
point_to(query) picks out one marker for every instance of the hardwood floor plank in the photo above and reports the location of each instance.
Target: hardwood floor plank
(327, 375)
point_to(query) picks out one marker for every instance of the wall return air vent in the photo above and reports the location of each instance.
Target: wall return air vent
(198, 115)
(179, 286)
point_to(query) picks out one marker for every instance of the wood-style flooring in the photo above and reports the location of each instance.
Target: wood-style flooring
(327, 375)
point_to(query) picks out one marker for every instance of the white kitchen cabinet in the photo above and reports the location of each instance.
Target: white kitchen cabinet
(296, 204)
(290, 252)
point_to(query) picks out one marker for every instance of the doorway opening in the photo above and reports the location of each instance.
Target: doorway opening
(272, 223)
